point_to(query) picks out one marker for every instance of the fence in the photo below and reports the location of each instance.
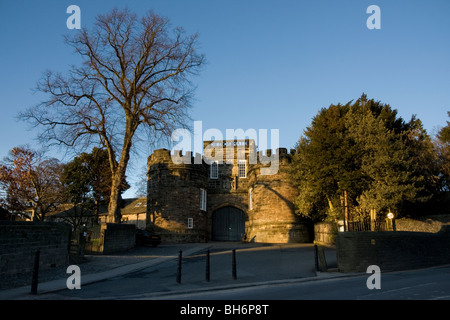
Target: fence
(367, 225)
(325, 233)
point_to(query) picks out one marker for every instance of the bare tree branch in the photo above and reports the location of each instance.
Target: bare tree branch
(135, 73)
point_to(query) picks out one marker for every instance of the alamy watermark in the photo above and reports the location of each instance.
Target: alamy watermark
(74, 20)
(228, 150)
(374, 281)
(74, 280)
(374, 21)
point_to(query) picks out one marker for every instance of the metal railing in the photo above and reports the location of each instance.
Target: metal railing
(367, 225)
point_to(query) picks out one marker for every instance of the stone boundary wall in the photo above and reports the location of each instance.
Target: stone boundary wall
(183, 236)
(392, 250)
(284, 232)
(432, 223)
(114, 237)
(325, 233)
(19, 241)
(119, 237)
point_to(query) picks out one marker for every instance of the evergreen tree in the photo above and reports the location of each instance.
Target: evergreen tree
(444, 133)
(443, 149)
(87, 180)
(388, 165)
(320, 169)
(362, 156)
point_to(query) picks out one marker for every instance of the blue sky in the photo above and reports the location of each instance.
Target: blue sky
(272, 64)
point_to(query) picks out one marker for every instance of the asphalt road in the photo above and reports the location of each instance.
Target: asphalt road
(263, 273)
(254, 264)
(424, 284)
(278, 279)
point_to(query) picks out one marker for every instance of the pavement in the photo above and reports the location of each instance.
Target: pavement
(257, 264)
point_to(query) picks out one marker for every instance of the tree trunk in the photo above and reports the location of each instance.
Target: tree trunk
(114, 215)
(118, 176)
(346, 217)
(373, 218)
(97, 209)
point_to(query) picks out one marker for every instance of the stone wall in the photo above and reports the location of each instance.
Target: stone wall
(174, 197)
(19, 241)
(325, 233)
(432, 223)
(119, 237)
(182, 235)
(272, 216)
(113, 237)
(400, 250)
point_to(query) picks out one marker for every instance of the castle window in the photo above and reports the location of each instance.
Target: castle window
(203, 199)
(242, 169)
(214, 170)
(250, 205)
(190, 224)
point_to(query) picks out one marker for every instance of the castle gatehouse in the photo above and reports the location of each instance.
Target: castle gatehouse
(233, 194)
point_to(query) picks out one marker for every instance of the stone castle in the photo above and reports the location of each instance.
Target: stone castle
(225, 199)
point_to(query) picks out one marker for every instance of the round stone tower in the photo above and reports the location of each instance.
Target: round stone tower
(176, 197)
(271, 214)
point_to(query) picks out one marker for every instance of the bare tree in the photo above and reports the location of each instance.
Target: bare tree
(135, 75)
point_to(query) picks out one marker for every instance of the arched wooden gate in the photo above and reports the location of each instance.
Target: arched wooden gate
(228, 224)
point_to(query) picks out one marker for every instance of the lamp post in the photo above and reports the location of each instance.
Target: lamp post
(390, 216)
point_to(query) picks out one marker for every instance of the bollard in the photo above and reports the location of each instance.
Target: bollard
(233, 265)
(207, 276)
(316, 258)
(322, 260)
(180, 256)
(82, 242)
(34, 280)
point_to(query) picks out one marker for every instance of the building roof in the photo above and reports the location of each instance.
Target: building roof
(68, 210)
(134, 206)
(130, 206)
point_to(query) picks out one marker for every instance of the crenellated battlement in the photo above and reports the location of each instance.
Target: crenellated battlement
(160, 155)
(223, 152)
(193, 194)
(164, 156)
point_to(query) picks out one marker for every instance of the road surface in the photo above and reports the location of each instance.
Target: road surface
(424, 284)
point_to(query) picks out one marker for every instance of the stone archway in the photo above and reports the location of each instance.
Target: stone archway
(228, 224)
